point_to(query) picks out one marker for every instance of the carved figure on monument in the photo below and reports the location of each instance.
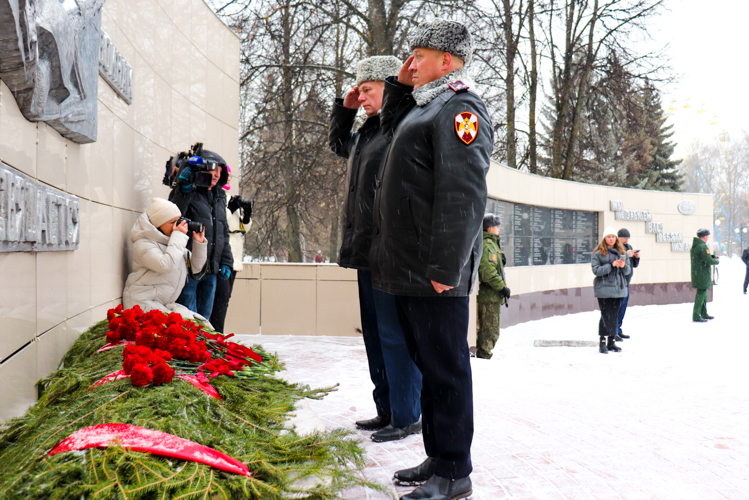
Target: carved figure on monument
(49, 58)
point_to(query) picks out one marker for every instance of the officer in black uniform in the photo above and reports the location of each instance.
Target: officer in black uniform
(427, 239)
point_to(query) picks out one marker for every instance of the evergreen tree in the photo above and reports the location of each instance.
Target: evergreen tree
(661, 172)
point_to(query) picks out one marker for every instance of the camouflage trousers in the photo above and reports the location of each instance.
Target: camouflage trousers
(487, 331)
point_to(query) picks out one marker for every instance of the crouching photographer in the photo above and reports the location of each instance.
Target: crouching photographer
(161, 261)
(196, 178)
(239, 217)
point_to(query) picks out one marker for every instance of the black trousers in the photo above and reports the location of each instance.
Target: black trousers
(609, 316)
(746, 278)
(436, 331)
(221, 301)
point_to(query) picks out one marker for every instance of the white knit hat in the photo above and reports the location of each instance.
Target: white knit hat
(609, 230)
(162, 211)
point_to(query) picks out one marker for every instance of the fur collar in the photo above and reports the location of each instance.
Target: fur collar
(426, 94)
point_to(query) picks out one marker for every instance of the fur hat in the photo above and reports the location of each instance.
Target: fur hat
(623, 233)
(162, 211)
(491, 220)
(701, 233)
(609, 230)
(448, 36)
(377, 68)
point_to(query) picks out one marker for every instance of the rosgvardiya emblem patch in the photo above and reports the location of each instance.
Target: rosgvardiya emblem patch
(466, 126)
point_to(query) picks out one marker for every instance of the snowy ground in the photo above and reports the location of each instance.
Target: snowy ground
(667, 418)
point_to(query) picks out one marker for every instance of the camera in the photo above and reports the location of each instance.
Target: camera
(192, 226)
(236, 202)
(200, 168)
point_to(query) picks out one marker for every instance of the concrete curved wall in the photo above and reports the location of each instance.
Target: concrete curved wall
(186, 88)
(305, 299)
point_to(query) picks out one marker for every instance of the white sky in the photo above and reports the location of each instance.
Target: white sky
(707, 47)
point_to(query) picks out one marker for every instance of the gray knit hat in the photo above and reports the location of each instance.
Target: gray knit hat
(491, 220)
(447, 36)
(377, 68)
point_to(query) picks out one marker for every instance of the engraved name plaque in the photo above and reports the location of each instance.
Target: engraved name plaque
(35, 217)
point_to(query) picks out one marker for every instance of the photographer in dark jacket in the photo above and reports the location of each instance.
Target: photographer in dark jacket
(208, 206)
(745, 260)
(396, 378)
(427, 238)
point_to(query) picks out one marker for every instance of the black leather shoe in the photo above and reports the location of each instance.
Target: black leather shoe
(709, 317)
(442, 488)
(618, 338)
(623, 336)
(374, 423)
(699, 320)
(390, 433)
(418, 474)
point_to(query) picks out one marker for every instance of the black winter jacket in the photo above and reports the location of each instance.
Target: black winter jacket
(196, 206)
(364, 150)
(432, 194)
(635, 261)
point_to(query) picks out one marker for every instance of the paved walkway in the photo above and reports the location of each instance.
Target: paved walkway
(667, 418)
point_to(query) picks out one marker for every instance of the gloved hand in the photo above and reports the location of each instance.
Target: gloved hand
(504, 260)
(505, 292)
(184, 180)
(225, 272)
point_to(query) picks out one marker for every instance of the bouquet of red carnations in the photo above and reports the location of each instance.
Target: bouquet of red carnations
(158, 345)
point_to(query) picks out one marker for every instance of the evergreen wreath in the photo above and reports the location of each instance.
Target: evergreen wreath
(246, 424)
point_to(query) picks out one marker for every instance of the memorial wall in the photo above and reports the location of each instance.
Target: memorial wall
(95, 96)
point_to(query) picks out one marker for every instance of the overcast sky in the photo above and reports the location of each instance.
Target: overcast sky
(708, 47)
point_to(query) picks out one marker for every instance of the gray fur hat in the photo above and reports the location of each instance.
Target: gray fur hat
(491, 220)
(448, 36)
(377, 68)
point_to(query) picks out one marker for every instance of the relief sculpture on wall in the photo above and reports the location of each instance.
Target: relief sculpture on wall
(49, 58)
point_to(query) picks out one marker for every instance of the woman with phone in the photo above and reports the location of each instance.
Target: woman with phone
(611, 266)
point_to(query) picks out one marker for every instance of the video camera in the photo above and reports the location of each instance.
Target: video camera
(236, 202)
(200, 170)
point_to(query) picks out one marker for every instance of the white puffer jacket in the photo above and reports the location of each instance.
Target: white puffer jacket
(160, 268)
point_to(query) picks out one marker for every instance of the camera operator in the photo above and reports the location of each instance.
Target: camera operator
(161, 261)
(239, 217)
(206, 205)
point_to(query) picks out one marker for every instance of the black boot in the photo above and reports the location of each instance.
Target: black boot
(374, 423)
(390, 433)
(611, 346)
(602, 346)
(418, 474)
(442, 488)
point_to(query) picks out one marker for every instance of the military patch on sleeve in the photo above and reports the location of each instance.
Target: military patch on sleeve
(708, 251)
(494, 257)
(466, 126)
(458, 86)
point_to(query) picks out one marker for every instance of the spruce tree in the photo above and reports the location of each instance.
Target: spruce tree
(661, 172)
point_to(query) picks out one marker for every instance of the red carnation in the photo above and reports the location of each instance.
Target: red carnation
(131, 361)
(115, 323)
(145, 338)
(162, 342)
(174, 319)
(162, 374)
(113, 337)
(160, 356)
(141, 375)
(129, 351)
(179, 349)
(196, 354)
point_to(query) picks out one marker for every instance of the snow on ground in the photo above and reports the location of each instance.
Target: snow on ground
(667, 418)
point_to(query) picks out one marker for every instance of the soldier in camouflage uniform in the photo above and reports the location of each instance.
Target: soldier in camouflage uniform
(493, 292)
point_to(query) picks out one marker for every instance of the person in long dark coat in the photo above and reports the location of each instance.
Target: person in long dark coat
(702, 276)
(427, 239)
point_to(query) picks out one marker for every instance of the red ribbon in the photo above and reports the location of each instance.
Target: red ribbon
(159, 443)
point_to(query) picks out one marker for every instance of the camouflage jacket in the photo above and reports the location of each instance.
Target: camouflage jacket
(491, 271)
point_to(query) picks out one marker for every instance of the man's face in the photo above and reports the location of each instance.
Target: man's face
(427, 66)
(624, 240)
(705, 238)
(493, 230)
(370, 96)
(215, 175)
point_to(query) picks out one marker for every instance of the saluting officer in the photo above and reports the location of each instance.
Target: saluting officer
(396, 378)
(427, 239)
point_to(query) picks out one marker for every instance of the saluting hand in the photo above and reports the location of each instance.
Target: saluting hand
(405, 75)
(351, 101)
